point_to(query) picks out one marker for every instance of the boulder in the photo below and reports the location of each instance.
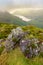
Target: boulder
(23, 44)
(18, 32)
(9, 37)
(9, 45)
(29, 47)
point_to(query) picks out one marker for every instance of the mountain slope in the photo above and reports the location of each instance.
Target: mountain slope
(5, 17)
(36, 16)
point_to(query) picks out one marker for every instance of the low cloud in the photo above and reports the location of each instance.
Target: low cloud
(12, 4)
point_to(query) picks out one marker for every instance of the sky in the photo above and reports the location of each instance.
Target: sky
(12, 4)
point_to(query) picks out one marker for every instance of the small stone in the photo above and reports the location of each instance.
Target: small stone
(35, 52)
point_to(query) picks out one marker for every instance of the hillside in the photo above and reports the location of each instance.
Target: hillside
(37, 20)
(36, 16)
(5, 17)
(16, 56)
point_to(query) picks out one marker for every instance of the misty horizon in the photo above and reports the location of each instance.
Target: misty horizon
(13, 4)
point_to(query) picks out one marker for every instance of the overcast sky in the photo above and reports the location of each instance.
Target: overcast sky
(11, 4)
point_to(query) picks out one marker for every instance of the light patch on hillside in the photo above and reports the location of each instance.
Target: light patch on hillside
(23, 18)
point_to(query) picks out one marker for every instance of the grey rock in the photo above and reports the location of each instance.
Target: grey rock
(24, 43)
(35, 52)
(18, 32)
(9, 37)
(9, 45)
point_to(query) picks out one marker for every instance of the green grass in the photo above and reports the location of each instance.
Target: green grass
(16, 57)
(38, 24)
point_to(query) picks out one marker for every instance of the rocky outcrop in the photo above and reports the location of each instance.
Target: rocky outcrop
(9, 45)
(29, 47)
(13, 38)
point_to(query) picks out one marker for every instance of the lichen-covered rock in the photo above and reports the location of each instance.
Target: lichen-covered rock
(9, 37)
(9, 45)
(29, 52)
(13, 38)
(30, 47)
(23, 44)
(35, 51)
(18, 32)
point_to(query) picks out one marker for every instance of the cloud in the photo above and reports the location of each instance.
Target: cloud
(10, 4)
